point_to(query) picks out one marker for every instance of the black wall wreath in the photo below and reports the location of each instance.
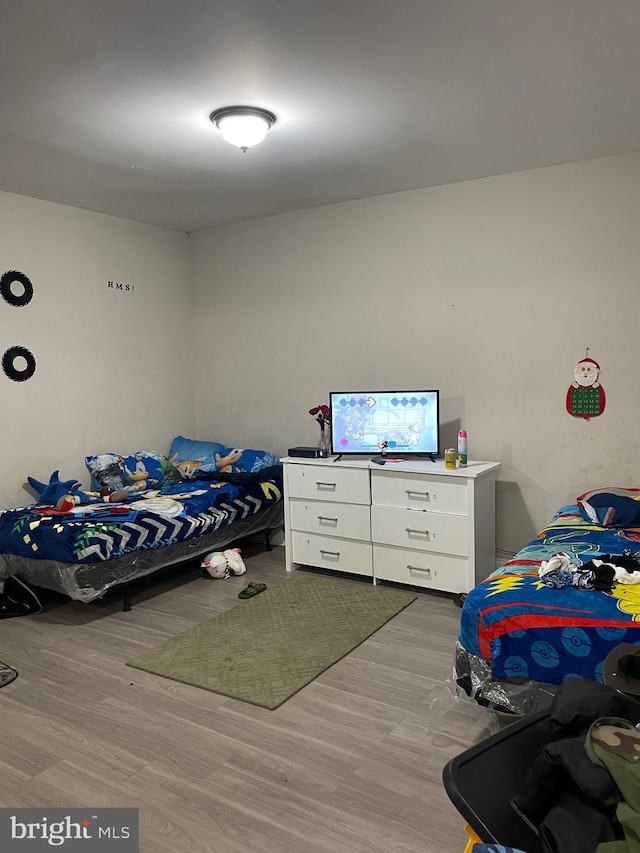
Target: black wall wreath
(9, 366)
(17, 300)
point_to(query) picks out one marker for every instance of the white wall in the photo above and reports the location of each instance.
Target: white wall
(114, 368)
(490, 290)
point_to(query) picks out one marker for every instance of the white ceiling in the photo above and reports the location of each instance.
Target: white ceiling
(104, 104)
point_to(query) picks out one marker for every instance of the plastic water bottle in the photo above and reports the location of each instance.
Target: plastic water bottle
(462, 449)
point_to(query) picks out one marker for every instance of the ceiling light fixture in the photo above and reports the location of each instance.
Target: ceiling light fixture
(243, 126)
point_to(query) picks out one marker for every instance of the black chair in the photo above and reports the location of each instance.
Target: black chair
(482, 780)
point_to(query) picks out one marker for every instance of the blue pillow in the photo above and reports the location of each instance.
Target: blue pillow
(146, 469)
(106, 470)
(248, 461)
(192, 456)
(614, 507)
(150, 468)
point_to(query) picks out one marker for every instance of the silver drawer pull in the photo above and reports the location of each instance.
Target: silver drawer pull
(418, 569)
(329, 553)
(412, 530)
(326, 518)
(414, 492)
(326, 485)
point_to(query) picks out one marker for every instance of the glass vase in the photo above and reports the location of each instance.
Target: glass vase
(324, 447)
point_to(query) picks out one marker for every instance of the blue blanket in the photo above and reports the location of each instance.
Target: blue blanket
(530, 630)
(152, 519)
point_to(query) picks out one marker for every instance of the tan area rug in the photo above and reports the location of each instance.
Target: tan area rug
(268, 647)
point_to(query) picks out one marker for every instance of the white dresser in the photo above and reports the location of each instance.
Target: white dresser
(410, 522)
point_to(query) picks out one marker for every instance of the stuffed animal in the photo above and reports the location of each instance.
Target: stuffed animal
(216, 564)
(64, 495)
(235, 561)
(57, 491)
(224, 564)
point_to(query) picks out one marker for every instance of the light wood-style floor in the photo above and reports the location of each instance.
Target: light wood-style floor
(351, 763)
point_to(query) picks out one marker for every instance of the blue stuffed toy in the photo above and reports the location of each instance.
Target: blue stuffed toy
(55, 491)
(65, 494)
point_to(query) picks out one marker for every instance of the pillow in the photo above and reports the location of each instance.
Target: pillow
(613, 507)
(150, 467)
(190, 456)
(146, 469)
(247, 461)
(106, 470)
(194, 457)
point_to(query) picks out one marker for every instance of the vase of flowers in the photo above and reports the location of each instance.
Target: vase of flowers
(323, 416)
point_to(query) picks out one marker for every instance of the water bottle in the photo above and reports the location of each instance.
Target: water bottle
(462, 449)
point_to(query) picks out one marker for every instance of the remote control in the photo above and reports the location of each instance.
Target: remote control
(379, 461)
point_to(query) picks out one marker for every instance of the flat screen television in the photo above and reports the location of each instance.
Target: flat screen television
(394, 423)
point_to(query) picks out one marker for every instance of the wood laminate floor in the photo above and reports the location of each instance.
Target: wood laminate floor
(352, 763)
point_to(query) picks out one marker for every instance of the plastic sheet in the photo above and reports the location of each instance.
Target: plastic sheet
(455, 722)
(88, 581)
(518, 696)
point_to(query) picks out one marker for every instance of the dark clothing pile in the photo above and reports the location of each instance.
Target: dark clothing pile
(600, 573)
(569, 795)
(585, 577)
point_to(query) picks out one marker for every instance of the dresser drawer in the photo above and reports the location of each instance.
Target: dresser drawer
(347, 485)
(417, 568)
(432, 493)
(426, 531)
(344, 555)
(332, 519)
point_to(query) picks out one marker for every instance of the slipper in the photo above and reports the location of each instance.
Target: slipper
(252, 589)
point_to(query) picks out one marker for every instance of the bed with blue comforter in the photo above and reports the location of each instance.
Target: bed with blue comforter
(520, 637)
(90, 548)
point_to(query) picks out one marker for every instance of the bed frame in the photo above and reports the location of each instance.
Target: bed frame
(88, 582)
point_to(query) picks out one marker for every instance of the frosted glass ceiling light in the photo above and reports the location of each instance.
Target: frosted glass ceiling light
(243, 126)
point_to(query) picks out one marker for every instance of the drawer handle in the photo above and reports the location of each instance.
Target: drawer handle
(327, 485)
(413, 530)
(418, 569)
(329, 553)
(326, 518)
(415, 492)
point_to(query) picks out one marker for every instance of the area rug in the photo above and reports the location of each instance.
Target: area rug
(269, 647)
(7, 674)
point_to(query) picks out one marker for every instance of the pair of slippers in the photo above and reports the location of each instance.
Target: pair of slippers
(252, 589)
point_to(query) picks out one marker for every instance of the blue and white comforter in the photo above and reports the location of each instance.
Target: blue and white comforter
(152, 519)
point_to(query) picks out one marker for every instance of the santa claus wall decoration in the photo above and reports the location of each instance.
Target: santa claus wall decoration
(585, 397)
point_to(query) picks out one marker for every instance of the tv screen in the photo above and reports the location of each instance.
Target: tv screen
(399, 423)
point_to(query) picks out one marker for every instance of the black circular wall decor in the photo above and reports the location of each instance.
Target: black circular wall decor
(17, 300)
(9, 367)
